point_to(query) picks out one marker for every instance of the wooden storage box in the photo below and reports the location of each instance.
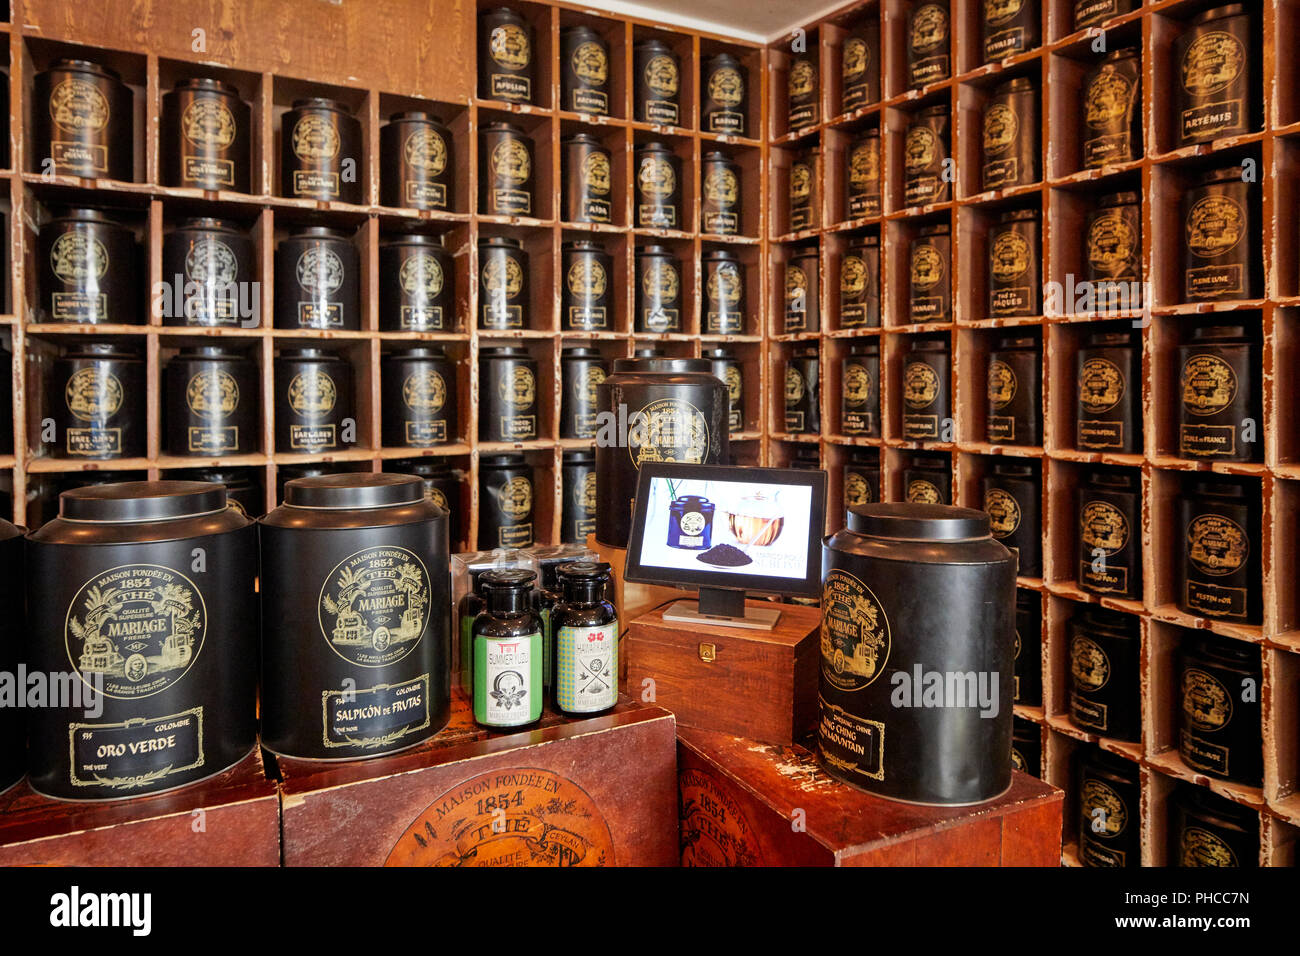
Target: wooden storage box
(743, 804)
(232, 819)
(595, 792)
(753, 683)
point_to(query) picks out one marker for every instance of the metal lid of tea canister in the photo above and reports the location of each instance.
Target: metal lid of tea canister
(75, 65)
(918, 522)
(578, 456)
(307, 352)
(804, 252)
(939, 109)
(1019, 215)
(209, 224)
(653, 44)
(1104, 619)
(721, 59)
(424, 467)
(416, 351)
(412, 238)
(869, 346)
(321, 103)
(582, 245)
(1109, 479)
(720, 255)
(505, 460)
(415, 116)
(1218, 488)
(864, 456)
(1016, 85)
(1104, 763)
(139, 501)
(1008, 469)
(1016, 343)
(1123, 53)
(664, 365)
(869, 241)
(654, 146)
(584, 138)
(937, 229)
(500, 242)
(206, 83)
(1224, 174)
(318, 232)
(649, 351)
(579, 30)
(354, 492)
(1122, 338)
(1224, 334)
(1218, 13)
(717, 354)
(579, 351)
(501, 126)
(225, 352)
(927, 343)
(504, 350)
(716, 156)
(83, 214)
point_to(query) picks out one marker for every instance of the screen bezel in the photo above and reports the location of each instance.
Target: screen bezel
(811, 584)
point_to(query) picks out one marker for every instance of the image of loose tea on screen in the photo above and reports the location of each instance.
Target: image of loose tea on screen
(731, 527)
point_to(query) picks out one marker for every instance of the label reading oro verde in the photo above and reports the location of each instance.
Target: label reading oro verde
(1103, 808)
(135, 753)
(587, 668)
(378, 716)
(78, 260)
(374, 605)
(508, 679)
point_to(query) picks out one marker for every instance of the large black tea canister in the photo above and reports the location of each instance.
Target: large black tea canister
(503, 284)
(1013, 499)
(508, 404)
(1112, 110)
(927, 396)
(1222, 241)
(929, 290)
(584, 71)
(313, 401)
(506, 64)
(505, 171)
(586, 180)
(1015, 265)
(927, 480)
(206, 140)
(506, 498)
(860, 389)
(419, 407)
(802, 392)
(442, 485)
(862, 477)
(211, 408)
(1219, 710)
(1206, 829)
(860, 284)
(803, 194)
(208, 275)
(417, 162)
(1108, 406)
(1011, 128)
(1014, 413)
(724, 292)
(586, 293)
(1217, 66)
(658, 290)
(1029, 648)
(417, 285)
(928, 39)
(317, 281)
(676, 410)
(926, 176)
(728, 369)
(1090, 12)
(720, 194)
(1110, 827)
(860, 65)
(1218, 556)
(356, 624)
(658, 187)
(803, 88)
(88, 270)
(656, 84)
(1110, 534)
(803, 291)
(582, 369)
(321, 152)
(1103, 677)
(1220, 394)
(1009, 27)
(145, 590)
(724, 96)
(882, 650)
(1026, 747)
(13, 736)
(82, 119)
(862, 175)
(96, 396)
(1113, 250)
(578, 485)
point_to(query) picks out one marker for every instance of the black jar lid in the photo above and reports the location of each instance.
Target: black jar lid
(126, 351)
(653, 44)
(432, 352)
(929, 343)
(939, 109)
(654, 250)
(1213, 487)
(73, 64)
(412, 238)
(309, 353)
(208, 224)
(318, 232)
(918, 522)
(1028, 599)
(1222, 650)
(504, 351)
(1015, 469)
(578, 456)
(1218, 332)
(500, 242)
(717, 156)
(506, 579)
(501, 126)
(718, 355)
(1110, 479)
(805, 352)
(1126, 198)
(1223, 174)
(585, 139)
(720, 255)
(321, 103)
(654, 146)
(506, 460)
(583, 570)
(665, 365)
(580, 30)
(579, 352)
(869, 346)
(1208, 807)
(221, 475)
(207, 84)
(224, 353)
(1105, 763)
(871, 132)
(649, 351)
(1127, 338)
(869, 241)
(1017, 343)
(864, 456)
(721, 59)
(139, 501)
(354, 491)
(1017, 85)
(1103, 618)
(583, 245)
(416, 116)
(804, 252)
(1019, 215)
(1123, 53)
(84, 214)
(502, 12)
(936, 229)
(1218, 13)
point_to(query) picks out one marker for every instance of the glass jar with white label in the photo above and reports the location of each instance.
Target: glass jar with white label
(586, 640)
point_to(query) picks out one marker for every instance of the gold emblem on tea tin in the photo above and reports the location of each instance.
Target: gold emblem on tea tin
(208, 123)
(668, 430)
(796, 283)
(726, 87)
(1215, 225)
(586, 277)
(920, 148)
(928, 267)
(1088, 663)
(857, 57)
(77, 106)
(374, 604)
(864, 166)
(512, 281)
(1111, 242)
(520, 389)
(1010, 256)
(794, 386)
(425, 149)
(315, 138)
(920, 384)
(929, 28)
(734, 385)
(656, 177)
(508, 45)
(74, 257)
(1103, 527)
(1216, 545)
(853, 277)
(1101, 385)
(1209, 384)
(856, 490)
(803, 78)
(421, 274)
(855, 634)
(516, 498)
(590, 64)
(93, 394)
(212, 395)
(724, 284)
(1199, 847)
(722, 187)
(1001, 126)
(1003, 511)
(1206, 702)
(424, 390)
(922, 492)
(1212, 62)
(1108, 99)
(661, 279)
(1097, 795)
(510, 162)
(1001, 384)
(595, 173)
(312, 393)
(661, 75)
(857, 384)
(998, 12)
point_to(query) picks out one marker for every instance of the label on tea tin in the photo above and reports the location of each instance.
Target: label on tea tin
(1003, 511)
(669, 430)
(1108, 107)
(920, 385)
(213, 266)
(518, 391)
(1198, 847)
(1215, 226)
(78, 260)
(510, 164)
(208, 124)
(921, 492)
(920, 152)
(1001, 129)
(724, 288)
(78, 107)
(1090, 670)
(425, 393)
(801, 83)
(376, 717)
(425, 150)
(726, 88)
(1207, 708)
(1112, 820)
(135, 753)
(515, 499)
(508, 679)
(311, 395)
(421, 277)
(857, 389)
(855, 644)
(591, 66)
(1001, 43)
(795, 388)
(657, 180)
(502, 279)
(1211, 64)
(587, 668)
(929, 269)
(93, 395)
(584, 497)
(1010, 261)
(595, 178)
(927, 45)
(735, 387)
(319, 272)
(1216, 546)
(1209, 386)
(586, 279)
(660, 77)
(1103, 531)
(508, 46)
(374, 605)
(1101, 388)
(1200, 754)
(722, 188)
(213, 396)
(796, 299)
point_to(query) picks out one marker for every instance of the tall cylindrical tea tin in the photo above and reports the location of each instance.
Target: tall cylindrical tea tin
(13, 736)
(803, 285)
(862, 477)
(1113, 254)
(928, 40)
(1110, 534)
(508, 404)
(586, 180)
(313, 400)
(803, 88)
(658, 187)
(506, 64)
(1015, 265)
(1026, 747)
(925, 155)
(317, 281)
(417, 162)
(1014, 414)
(1110, 826)
(929, 291)
(675, 409)
(860, 284)
(1103, 677)
(1220, 394)
(243, 486)
(417, 284)
(724, 96)
(207, 142)
(578, 485)
(505, 502)
(1206, 829)
(927, 480)
(1013, 499)
(1089, 12)
(927, 396)
(1011, 133)
(321, 152)
(1218, 564)
(212, 402)
(860, 389)
(442, 486)
(1222, 238)
(356, 592)
(145, 591)
(656, 84)
(582, 369)
(419, 398)
(503, 284)
(1010, 27)
(862, 175)
(209, 275)
(1029, 648)
(584, 71)
(82, 119)
(860, 65)
(96, 396)
(881, 651)
(720, 211)
(1108, 407)
(88, 270)
(586, 294)
(1217, 65)
(803, 196)
(727, 368)
(1112, 110)
(802, 392)
(1219, 714)
(505, 171)
(724, 293)
(658, 290)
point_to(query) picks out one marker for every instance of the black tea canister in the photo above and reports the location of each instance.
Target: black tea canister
(417, 162)
(803, 197)
(506, 64)
(724, 96)
(1206, 829)
(1103, 678)
(802, 392)
(443, 485)
(930, 275)
(417, 284)
(419, 406)
(1219, 712)
(503, 284)
(209, 276)
(928, 40)
(1113, 251)
(313, 401)
(1013, 499)
(927, 177)
(927, 480)
(206, 140)
(658, 296)
(96, 396)
(317, 281)
(656, 79)
(321, 152)
(82, 122)
(584, 71)
(1218, 72)
(860, 284)
(927, 396)
(862, 175)
(1026, 747)
(1015, 265)
(1109, 810)
(1112, 114)
(505, 501)
(578, 485)
(860, 65)
(803, 87)
(658, 195)
(724, 292)
(862, 477)
(1014, 409)
(586, 180)
(727, 368)
(13, 731)
(1218, 558)
(211, 402)
(1009, 27)
(1011, 134)
(88, 270)
(506, 179)
(1220, 405)
(720, 211)
(508, 394)
(1029, 648)
(1110, 533)
(1221, 237)
(586, 294)
(860, 389)
(1108, 405)
(803, 291)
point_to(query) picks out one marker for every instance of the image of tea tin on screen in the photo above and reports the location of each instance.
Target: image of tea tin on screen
(690, 523)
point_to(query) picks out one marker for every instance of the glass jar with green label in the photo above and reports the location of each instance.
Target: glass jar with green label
(507, 651)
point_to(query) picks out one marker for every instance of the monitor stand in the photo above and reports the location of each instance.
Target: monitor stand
(723, 607)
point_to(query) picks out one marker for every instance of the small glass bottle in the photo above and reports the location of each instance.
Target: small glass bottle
(507, 651)
(586, 641)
